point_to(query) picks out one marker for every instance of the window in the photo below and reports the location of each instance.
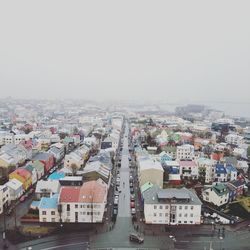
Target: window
(76, 206)
(192, 207)
(53, 212)
(186, 207)
(191, 215)
(68, 207)
(185, 222)
(166, 207)
(180, 207)
(44, 219)
(43, 212)
(155, 214)
(179, 222)
(180, 215)
(155, 207)
(166, 214)
(185, 215)
(160, 214)
(53, 220)
(160, 207)
(88, 213)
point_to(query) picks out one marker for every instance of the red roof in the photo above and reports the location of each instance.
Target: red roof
(23, 172)
(69, 194)
(217, 156)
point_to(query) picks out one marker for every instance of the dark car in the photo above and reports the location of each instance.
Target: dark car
(132, 190)
(136, 238)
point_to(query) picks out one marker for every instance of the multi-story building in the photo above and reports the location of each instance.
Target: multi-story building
(185, 152)
(171, 206)
(217, 194)
(4, 197)
(83, 204)
(189, 169)
(234, 139)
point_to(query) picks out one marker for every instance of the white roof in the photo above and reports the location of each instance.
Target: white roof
(150, 164)
(52, 185)
(14, 184)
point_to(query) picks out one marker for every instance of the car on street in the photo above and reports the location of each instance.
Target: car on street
(132, 190)
(136, 238)
(132, 197)
(133, 212)
(22, 199)
(131, 184)
(132, 204)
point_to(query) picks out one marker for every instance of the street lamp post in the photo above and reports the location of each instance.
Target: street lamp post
(4, 227)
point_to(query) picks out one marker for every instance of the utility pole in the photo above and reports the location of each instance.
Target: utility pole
(4, 227)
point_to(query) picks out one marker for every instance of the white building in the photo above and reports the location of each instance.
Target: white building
(189, 169)
(171, 206)
(206, 168)
(4, 197)
(217, 194)
(15, 189)
(150, 171)
(83, 204)
(57, 150)
(185, 152)
(48, 209)
(234, 139)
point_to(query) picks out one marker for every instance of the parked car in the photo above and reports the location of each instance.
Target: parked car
(133, 212)
(132, 204)
(132, 197)
(136, 238)
(132, 190)
(22, 199)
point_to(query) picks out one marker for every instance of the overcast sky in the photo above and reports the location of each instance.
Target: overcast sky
(186, 51)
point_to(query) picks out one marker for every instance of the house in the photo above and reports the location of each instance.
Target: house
(95, 170)
(189, 169)
(171, 206)
(238, 185)
(73, 159)
(220, 174)
(39, 167)
(7, 164)
(217, 194)
(32, 171)
(47, 188)
(185, 152)
(234, 139)
(242, 165)
(150, 171)
(15, 189)
(83, 204)
(164, 157)
(206, 169)
(232, 192)
(48, 209)
(23, 176)
(4, 197)
(172, 172)
(231, 172)
(57, 150)
(45, 158)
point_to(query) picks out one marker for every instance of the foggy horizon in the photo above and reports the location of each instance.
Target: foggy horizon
(193, 52)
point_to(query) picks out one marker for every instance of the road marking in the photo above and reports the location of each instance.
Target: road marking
(67, 245)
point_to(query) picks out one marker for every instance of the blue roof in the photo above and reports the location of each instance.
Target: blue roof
(56, 176)
(49, 203)
(174, 170)
(231, 168)
(35, 204)
(220, 169)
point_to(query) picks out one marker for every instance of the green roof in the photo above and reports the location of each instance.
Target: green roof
(146, 186)
(220, 189)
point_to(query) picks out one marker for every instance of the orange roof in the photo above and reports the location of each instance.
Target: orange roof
(217, 156)
(22, 172)
(89, 192)
(69, 194)
(92, 192)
